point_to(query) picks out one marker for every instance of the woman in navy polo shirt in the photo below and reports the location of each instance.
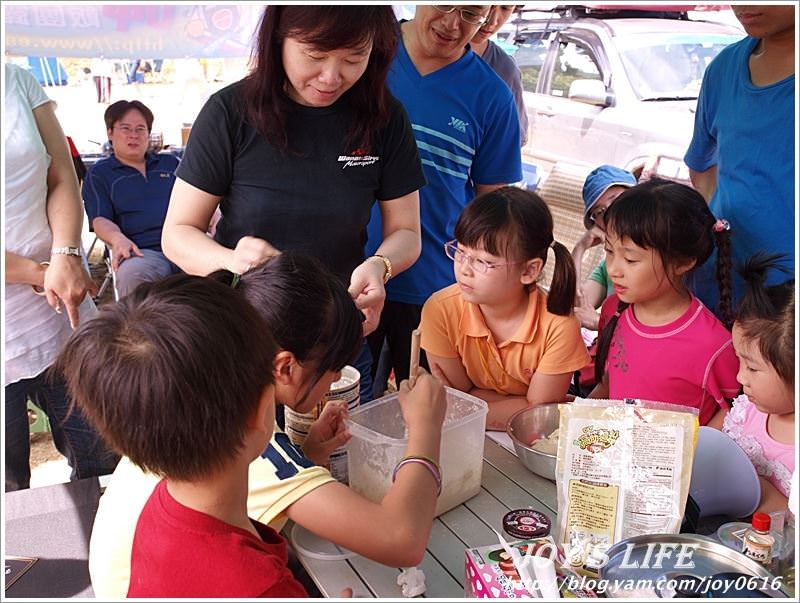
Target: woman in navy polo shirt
(126, 197)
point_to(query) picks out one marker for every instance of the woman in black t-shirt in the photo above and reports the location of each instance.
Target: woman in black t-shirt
(296, 153)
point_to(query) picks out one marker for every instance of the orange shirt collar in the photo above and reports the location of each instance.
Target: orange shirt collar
(473, 324)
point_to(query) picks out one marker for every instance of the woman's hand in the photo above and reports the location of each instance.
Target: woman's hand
(327, 433)
(367, 290)
(123, 248)
(66, 284)
(249, 253)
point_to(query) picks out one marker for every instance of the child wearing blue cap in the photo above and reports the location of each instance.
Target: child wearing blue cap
(602, 186)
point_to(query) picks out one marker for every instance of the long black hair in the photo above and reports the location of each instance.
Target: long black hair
(307, 309)
(674, 220)
(327, 27)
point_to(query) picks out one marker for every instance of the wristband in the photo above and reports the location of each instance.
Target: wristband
(76, 251)
(388, 264)
(425, 462)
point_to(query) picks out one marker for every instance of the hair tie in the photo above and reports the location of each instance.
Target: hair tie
(721, 225)
(553, 245)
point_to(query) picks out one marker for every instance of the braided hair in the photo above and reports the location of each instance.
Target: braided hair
(674, 220)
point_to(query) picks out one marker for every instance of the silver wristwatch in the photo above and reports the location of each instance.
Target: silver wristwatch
(66, 251)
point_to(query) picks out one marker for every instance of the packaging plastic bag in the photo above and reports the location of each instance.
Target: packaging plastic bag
(623, 469)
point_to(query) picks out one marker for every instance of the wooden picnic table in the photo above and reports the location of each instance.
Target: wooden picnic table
(505, 484)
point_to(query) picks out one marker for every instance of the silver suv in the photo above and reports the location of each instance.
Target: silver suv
(621, 91)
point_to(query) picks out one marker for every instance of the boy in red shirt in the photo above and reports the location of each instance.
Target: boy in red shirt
(178, 377)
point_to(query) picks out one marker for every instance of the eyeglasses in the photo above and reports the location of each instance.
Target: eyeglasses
(477, 264)
(467, 16)
(597, 216)
(127, 130)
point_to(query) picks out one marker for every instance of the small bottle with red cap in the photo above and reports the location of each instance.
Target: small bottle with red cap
(758, 542)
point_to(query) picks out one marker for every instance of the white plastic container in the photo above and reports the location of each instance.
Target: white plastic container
(380, 438)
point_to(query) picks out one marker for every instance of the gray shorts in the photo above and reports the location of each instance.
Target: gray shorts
(136, 270)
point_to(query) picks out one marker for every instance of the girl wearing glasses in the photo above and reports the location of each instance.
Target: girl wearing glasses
(495, 333)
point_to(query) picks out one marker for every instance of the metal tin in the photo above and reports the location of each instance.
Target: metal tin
(526, 523)
(649, 572)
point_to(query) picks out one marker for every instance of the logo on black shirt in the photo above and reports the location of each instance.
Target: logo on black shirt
(358, 158)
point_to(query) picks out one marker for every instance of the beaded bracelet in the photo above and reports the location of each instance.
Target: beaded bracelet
(431, 465)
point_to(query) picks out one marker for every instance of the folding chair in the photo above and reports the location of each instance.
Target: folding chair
(108, 278)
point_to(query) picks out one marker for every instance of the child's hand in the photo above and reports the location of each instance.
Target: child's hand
(585, 313)
(425, 403)
(327, 433)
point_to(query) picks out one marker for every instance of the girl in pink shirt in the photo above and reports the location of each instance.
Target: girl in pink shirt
(657, 341)
(762, 419)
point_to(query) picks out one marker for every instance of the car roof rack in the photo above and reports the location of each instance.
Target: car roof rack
(625, 11)
(561, 16)
(608, 11)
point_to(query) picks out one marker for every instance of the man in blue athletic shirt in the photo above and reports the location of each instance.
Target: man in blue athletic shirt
(742, 154)
(467, 130)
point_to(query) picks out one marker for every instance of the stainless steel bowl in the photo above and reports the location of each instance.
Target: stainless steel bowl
(527, 426)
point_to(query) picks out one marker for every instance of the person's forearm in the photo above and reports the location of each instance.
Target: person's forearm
(65, 215)
(705, 182)
(501, 407)
(22, 270)
(106, 230)
(577, 256)
(771, 498)
(402, 247)
(193, 250)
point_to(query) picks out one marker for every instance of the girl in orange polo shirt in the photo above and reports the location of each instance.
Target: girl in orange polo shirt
(495, 333)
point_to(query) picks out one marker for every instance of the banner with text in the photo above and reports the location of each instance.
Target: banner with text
(117, 31)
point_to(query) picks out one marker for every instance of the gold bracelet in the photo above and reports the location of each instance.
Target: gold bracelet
(388, 264)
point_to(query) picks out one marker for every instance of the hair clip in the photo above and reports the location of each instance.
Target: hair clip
(235, 280)
(721, 225)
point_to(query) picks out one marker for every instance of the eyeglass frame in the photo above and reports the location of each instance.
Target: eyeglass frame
(596, 214)
(471, 260)
(461, 11)
(127, 130)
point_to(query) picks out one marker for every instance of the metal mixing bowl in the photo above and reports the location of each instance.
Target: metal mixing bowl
(527, 426)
